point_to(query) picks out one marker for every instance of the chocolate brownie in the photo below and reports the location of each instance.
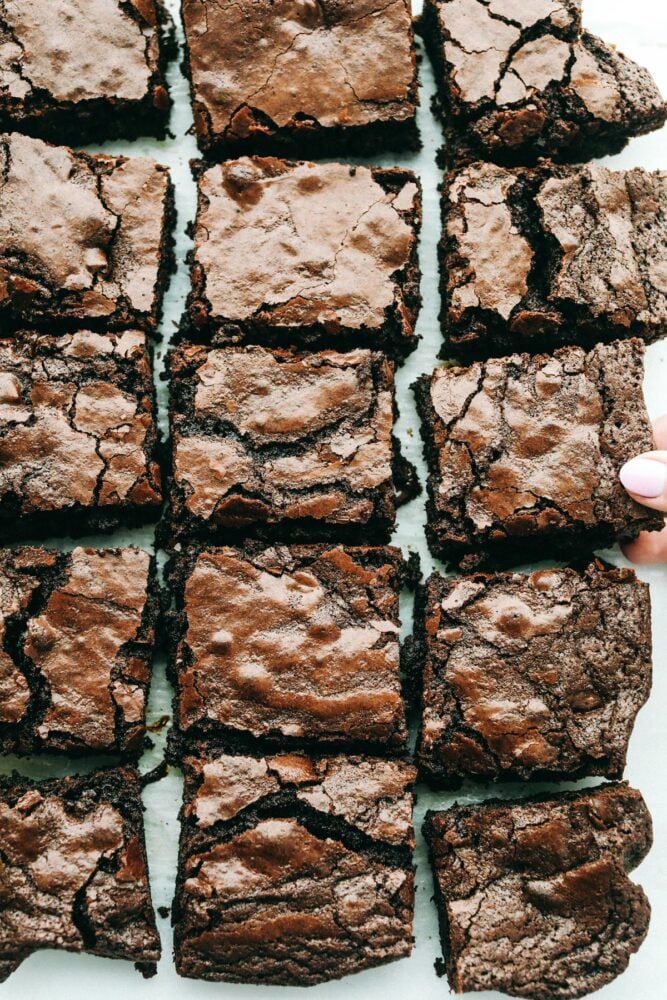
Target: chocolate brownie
(74, 869)
(293, 870)
(84, 70)
(84, 239)
(78, 434)
(533, 895)
(279, 248)
(539, 257)
(532, 677)
(77, 631)
(518, 80)
(265, 442)
(295, 645)
(524, 454)
(322, 77)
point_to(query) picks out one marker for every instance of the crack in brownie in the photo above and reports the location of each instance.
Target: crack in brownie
(267, 441)
(538, 257)
(293, 870)
(533, 895)
(77, 631)
(78, 436)
(524, 454)
(74, 869)
(534, 677)
(84, 239)
(61, 79)
(294, 645)
(279, 248)
(518, 80)
(324, 77)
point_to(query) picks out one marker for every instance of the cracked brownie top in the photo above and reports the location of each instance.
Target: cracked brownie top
(279, 248)
(532, 677)
(293, 869)
(74, 870)
(298, 69)
(77, 432)
(83, 239)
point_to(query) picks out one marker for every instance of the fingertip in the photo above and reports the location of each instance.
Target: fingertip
(648, 549)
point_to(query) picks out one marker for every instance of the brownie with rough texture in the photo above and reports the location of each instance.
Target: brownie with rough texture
(294, 645)
(519, 80)
(524, 454)
(293, 870)
(78, 435)
(534, 677)
(537, 257)
(74, 869)
(85, 240)
(77, 631)
(84, 70)
(320, 77)
(279, 248)
(267, 442)
(533, 895)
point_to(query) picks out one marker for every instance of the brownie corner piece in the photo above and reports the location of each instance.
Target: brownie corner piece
(533, 895)
(524, 454)
(532, 677)
(293, 870)
(279, 245)
(78, 631)
(266, 441)
(78, 434)
(327, 78)
(62, 80)
(74, 869)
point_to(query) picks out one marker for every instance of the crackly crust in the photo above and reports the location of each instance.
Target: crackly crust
(524, 454)
(293, 869)
(77, 631)
(75, 874)
(533, 895)
(532, 677)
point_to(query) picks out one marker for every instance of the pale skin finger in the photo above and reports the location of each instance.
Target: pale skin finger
(648, 473)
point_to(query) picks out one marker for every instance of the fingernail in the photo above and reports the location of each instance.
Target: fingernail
(644, 477)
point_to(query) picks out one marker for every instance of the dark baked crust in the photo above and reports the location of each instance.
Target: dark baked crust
(75, 873)
(292, 646)
(77, 631)
(293, 870)
(78, 434)
(533, 895)
(534, 677)
(279, 247)
(325, 77)
(85, 240)
(534, 258)
(93, 91)
(268, 441)
(524, 454)
(527, 81)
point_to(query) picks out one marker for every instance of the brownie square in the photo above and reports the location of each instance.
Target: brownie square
(78, 435)
(84, 239)
(324, 77)
(533, 895)
(293, 870)
(265, 442)
(538, 257)
(534, 677)
(517, 81)
(279, 248)
(85, 72)
(294, 645)
(77, 631)
(74, 869)
(524, 454)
